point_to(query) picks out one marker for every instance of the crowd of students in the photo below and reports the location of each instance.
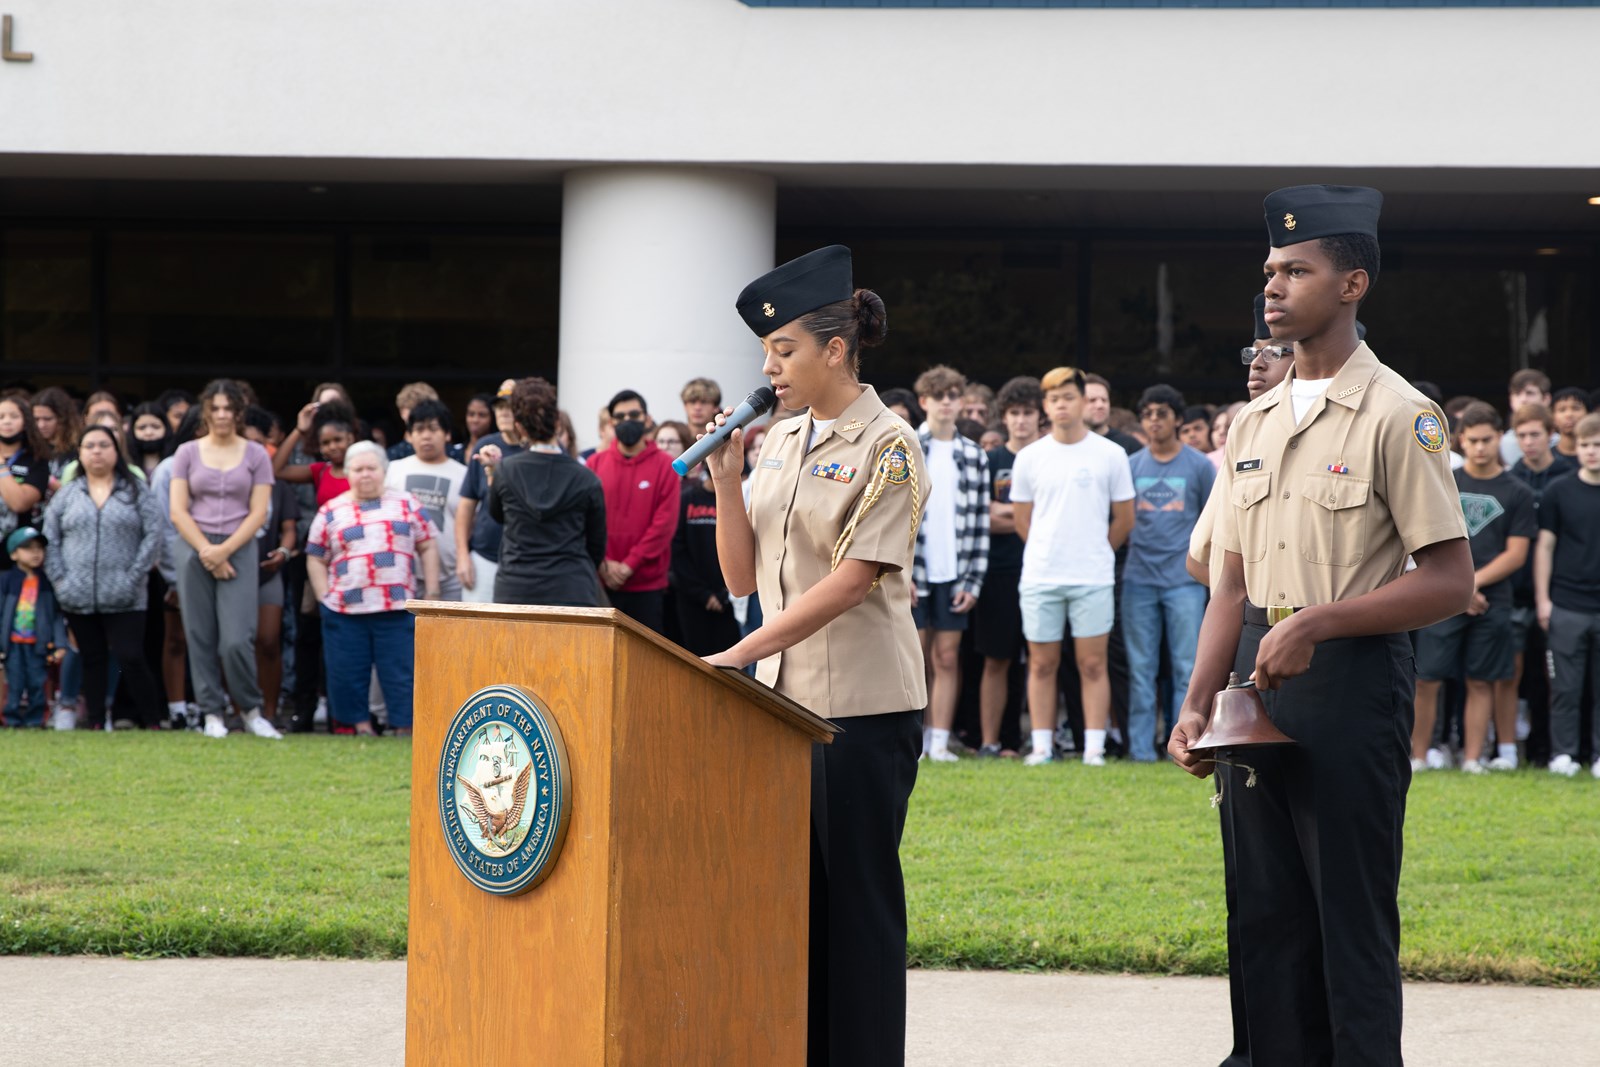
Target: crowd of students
(198, 563)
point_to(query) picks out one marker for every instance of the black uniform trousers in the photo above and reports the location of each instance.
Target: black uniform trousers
(860, 790)
(1312, 860)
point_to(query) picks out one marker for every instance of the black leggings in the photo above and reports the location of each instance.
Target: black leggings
(121, 634)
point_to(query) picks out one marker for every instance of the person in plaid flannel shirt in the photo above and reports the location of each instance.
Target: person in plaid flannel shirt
(952, 548)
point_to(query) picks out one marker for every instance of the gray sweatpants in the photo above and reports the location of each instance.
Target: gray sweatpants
(219, 622)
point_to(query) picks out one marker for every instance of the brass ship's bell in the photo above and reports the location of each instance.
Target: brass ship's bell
(1239, 719)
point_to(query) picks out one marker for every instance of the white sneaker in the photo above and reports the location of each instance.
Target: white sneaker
(257, 724)
(943, 755)
(1472, 766)
(1419, 765)
(320, 716)
(1564, 765)
(1595, 770)
(1502, 763)
(1094, 759)
(1437, 760)
(1034, 759)
(215, 727)
(66, 717)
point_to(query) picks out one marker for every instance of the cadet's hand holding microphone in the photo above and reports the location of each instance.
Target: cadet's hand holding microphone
(727, 427)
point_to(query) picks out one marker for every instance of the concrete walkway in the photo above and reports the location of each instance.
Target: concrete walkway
(130, 1013)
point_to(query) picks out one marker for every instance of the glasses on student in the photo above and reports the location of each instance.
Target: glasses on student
(629, 416)
(1268, 353)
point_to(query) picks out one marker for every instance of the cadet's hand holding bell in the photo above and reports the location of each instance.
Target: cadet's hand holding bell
(1185, 732)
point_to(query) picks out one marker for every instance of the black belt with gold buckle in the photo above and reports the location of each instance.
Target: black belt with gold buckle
(1254, 616)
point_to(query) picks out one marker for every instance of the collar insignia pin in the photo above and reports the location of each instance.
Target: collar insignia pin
(852, 425)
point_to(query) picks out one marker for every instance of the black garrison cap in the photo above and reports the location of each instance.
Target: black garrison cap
(800, 285)
(1307, 212)
(1262, 333)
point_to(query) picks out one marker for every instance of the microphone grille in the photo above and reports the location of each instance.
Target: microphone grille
(762, 399)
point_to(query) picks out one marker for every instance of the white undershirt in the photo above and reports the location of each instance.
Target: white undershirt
(1304, 393)
(939, 520)
(818, 428)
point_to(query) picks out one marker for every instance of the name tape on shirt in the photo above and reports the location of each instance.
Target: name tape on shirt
(772, 464)
(1246, 465)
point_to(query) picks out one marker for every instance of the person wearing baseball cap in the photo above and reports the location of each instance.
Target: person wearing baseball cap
(33, 631)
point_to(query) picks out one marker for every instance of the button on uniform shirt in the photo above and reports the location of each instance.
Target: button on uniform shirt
(1330, 508)
(370, 547)
(868, 660)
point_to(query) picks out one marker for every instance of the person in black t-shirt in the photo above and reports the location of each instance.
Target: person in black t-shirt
(705, 610)
(1500, 527)
(24, 467)
(1566, 587)
(997, 625)
(553, 511)
(1532, 424)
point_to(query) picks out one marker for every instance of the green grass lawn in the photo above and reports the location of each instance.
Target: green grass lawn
(167, 845)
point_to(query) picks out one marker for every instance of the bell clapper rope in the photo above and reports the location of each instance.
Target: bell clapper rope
(1249, 782)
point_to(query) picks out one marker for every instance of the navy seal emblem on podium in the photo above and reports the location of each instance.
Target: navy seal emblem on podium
(505, 792)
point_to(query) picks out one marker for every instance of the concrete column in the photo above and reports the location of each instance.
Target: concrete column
(651, 261)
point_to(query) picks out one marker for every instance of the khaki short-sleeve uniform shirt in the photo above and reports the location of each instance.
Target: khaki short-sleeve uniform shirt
(1330, 508)
(866, 467)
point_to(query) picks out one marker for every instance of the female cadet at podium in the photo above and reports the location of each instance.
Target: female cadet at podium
(835, 501)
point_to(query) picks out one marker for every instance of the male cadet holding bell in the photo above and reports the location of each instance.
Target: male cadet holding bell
(829, 539)
(1331, 480)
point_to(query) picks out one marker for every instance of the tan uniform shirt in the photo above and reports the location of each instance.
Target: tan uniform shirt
(1329, 509)
(1203, 548)
(868, 660)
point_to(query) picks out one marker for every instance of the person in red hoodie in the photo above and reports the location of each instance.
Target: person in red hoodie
(641, 513)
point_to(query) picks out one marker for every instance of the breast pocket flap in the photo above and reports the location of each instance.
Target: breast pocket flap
(1251, 490)
(1337, 491)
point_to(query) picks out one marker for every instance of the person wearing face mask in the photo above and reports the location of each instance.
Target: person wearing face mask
(641, 492)
(151, 436)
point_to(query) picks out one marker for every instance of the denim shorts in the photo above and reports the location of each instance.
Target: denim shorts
(1046, 610)
(934, 610)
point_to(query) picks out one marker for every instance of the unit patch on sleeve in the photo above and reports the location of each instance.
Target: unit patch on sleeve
(1428, 432)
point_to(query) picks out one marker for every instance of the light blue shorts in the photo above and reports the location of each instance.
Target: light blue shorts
(1046, 609)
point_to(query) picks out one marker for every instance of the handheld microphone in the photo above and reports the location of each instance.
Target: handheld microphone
(757, 404)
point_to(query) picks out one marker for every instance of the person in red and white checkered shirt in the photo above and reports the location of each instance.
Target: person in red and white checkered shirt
(362, 555)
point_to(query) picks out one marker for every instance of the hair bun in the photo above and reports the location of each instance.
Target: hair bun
(872, 318)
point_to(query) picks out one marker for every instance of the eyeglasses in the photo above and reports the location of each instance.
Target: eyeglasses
(629, 416)
(1268, 353)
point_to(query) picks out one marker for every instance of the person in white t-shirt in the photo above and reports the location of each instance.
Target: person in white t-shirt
(1072, 498)
(435, 480)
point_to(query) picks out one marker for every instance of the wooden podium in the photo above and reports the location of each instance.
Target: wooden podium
(672, 927)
